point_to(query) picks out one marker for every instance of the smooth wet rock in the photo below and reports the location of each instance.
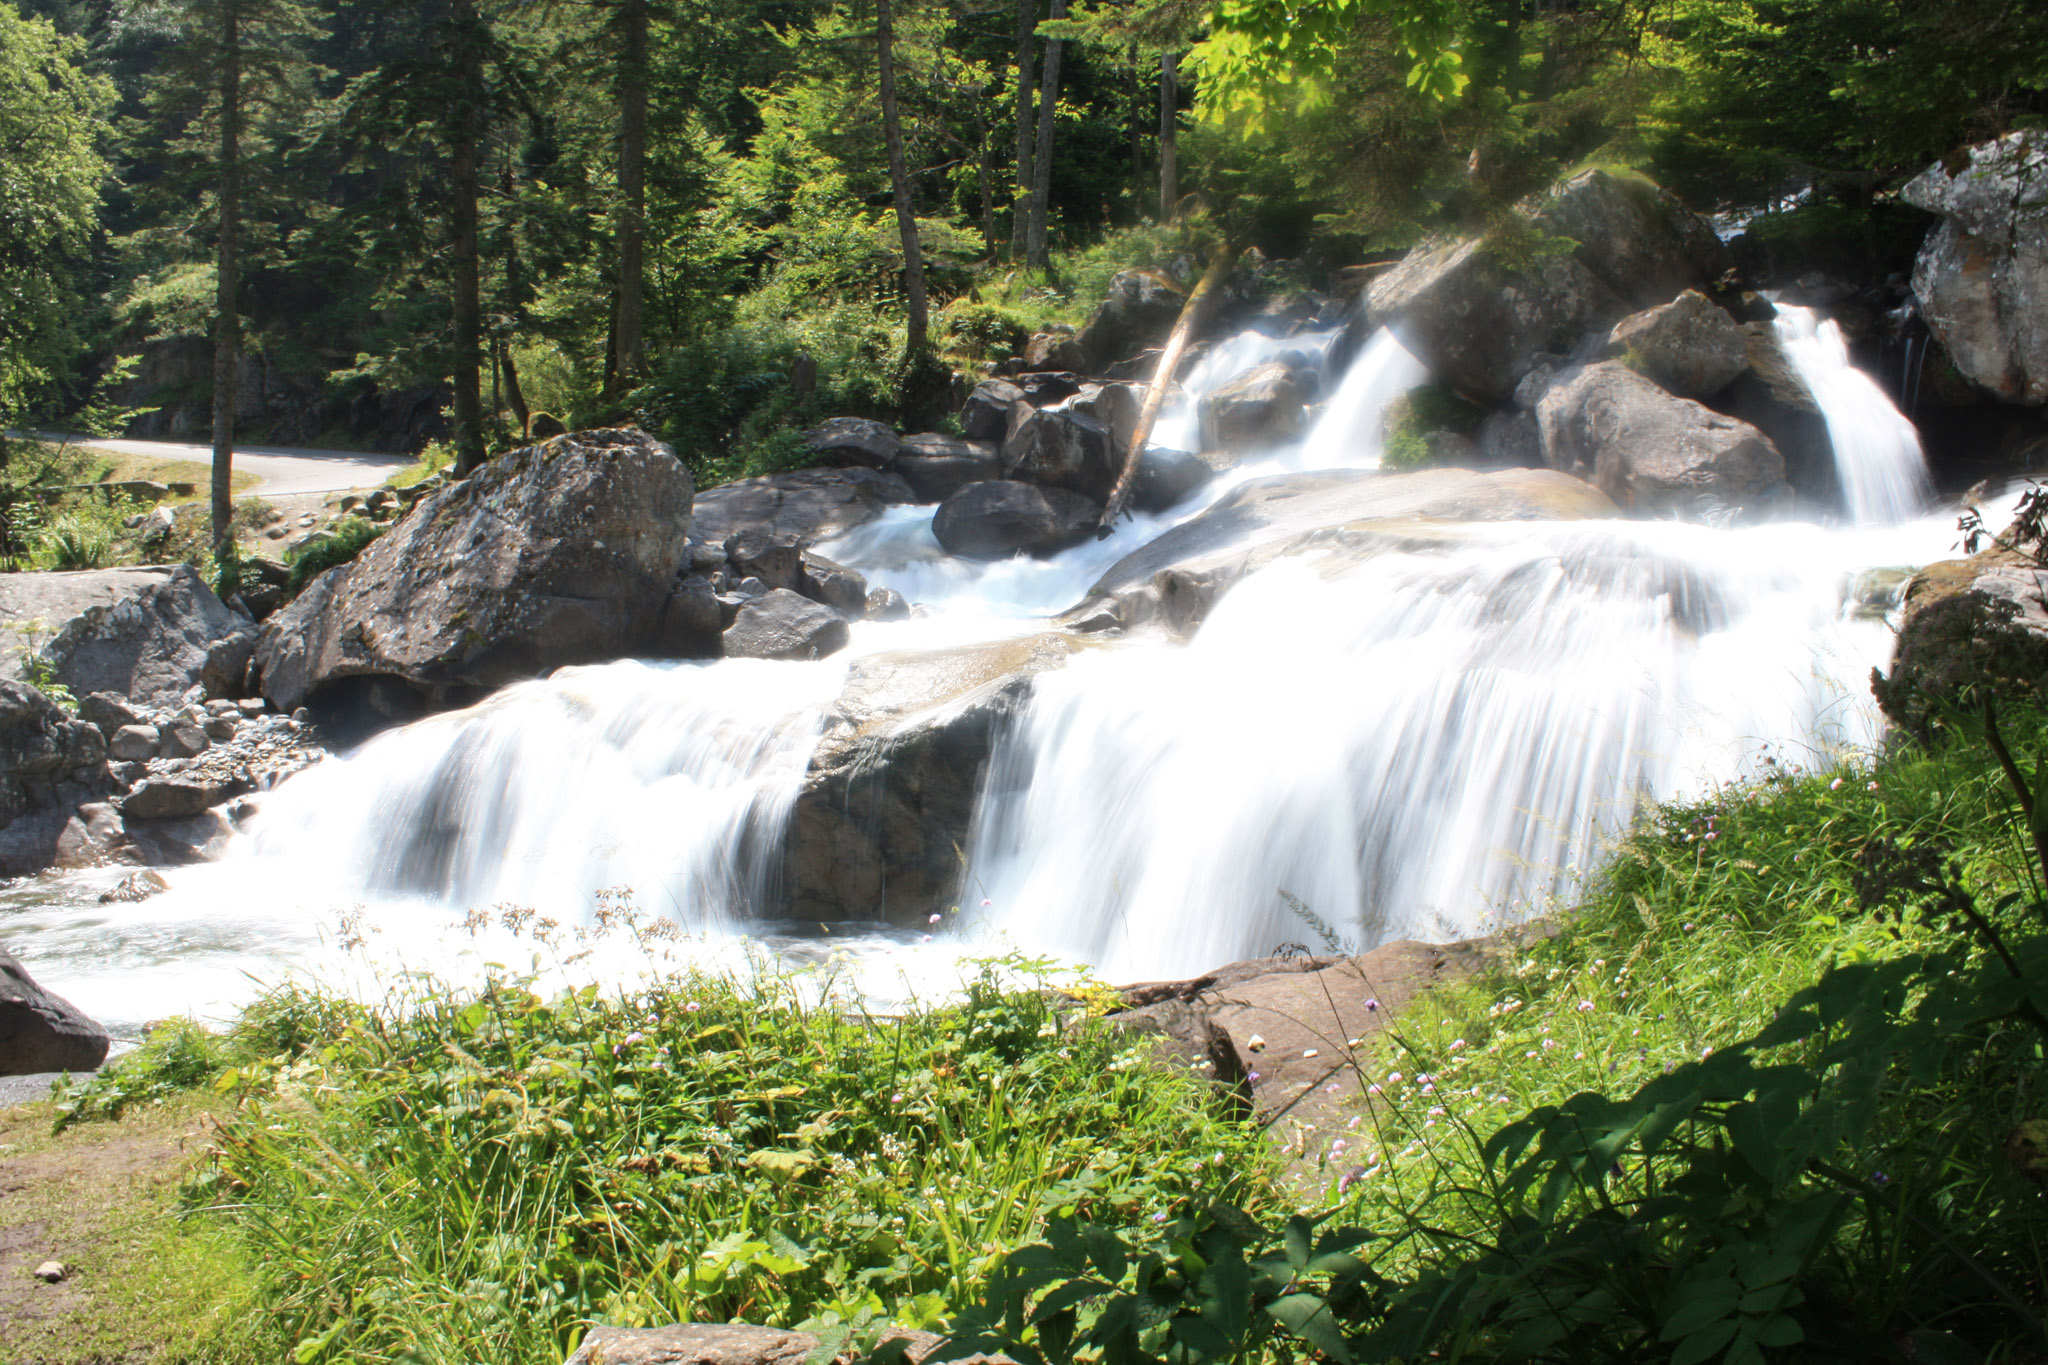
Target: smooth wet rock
(844, 590)
(1066, 447)
(147, 634)
(937, 466)
(1264, 407)
(40, 1031)
(1690, 345)
(853, 440)
(1178, 576)
(878, 828)
(559, 553)
(798, 508)
(784, 625)
(887, 604)
(755, 552)
(182, 739)
(1510, 440)
(1055, 349)
(986, 413)
(1982, 276)
(691, 622)
(135, 887)
(1002, 517)
(183, 840)
(1656, 454)
(1167, 477)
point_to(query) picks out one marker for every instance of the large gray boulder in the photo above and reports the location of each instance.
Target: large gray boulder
(1077, 444)
(1480, 312)
(796, 509)
(985, 416)
(781, 624)
(1634, 236)
(1480, 323)
(148, 634)
(1141, 308)
(1967, 622)
(1656, 454)
(936, 466)
(560, 553)
(1001, 517)
(877, 830)
(1264, 407)
(40, 1031)
(1689, 345)
(1982, 275)
(1177, 577)
(853, 440)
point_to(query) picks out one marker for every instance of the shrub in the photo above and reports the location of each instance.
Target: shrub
(346, 538)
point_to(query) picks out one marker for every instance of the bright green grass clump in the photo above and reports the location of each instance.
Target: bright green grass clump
(476, 1179)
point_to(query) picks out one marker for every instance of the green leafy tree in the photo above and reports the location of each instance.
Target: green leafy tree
(51, 170)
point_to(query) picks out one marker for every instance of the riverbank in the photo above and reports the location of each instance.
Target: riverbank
(480, 1177)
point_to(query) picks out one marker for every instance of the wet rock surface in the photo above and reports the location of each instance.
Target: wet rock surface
(1690, 345)
(1003, 517)
(1656, 454)
(1966, 621)
(879, 829)
(781, 624)
(1177, 577)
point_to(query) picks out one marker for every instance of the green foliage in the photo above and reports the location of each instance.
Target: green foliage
(345, 538)
(51, 112)
(73, 541)
(1417, 415)
(475, 1177)
(176, 1057)
(36, 668)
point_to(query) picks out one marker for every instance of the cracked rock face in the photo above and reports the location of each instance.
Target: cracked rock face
(561, 553)
(1982, 275)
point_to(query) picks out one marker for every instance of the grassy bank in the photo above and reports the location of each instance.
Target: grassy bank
(1774, 1090)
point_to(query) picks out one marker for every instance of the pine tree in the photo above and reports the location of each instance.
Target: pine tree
(230, 86)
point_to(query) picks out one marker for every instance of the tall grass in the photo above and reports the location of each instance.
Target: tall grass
(476, 1178)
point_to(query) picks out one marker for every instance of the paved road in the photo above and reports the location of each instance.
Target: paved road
(282, 469)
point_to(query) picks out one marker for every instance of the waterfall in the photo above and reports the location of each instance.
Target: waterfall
(1421, 745)
(1877, 452)
(1423, 741)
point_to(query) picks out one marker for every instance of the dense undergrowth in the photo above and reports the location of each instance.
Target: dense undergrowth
(1773, 1090)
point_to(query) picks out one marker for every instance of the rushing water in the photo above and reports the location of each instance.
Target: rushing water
(1878, 459)
(1418, 742)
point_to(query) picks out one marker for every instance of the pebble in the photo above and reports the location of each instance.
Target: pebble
(49, 1272)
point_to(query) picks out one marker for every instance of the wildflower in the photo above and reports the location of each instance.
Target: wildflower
(1706, 1052)
(924, 938)
(933, 920)
(1256, 1042)
(1336, 1146)
(1308, 1052)
(986, 904)
(1585, 1005)
(1372, 1004)
(1457, 1044)
(1394, 1078)
(896, 1098)
(633, 1037)
(1578, 1056)
(1352, 1177)
(1158, 1217)
(1252, 1076)
(1436, 1111)
(1835, 785)
(1373, 1089)
(1880, 1179)
(1872, 787)
(692, 1007)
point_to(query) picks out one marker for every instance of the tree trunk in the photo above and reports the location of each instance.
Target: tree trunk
(1169, 135)
(463, 171)
(1162, 380)
(515, 397)
(227, 321)
(1041, 161)
(985, 174)
(918, 322)
(1020, 202)
(632, 219)
(1136, 119)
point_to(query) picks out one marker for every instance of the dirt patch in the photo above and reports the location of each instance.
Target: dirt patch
(102, 1199)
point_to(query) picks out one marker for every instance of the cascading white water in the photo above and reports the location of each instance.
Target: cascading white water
(1411, 745)
(1878, 459)
(1407, 744)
